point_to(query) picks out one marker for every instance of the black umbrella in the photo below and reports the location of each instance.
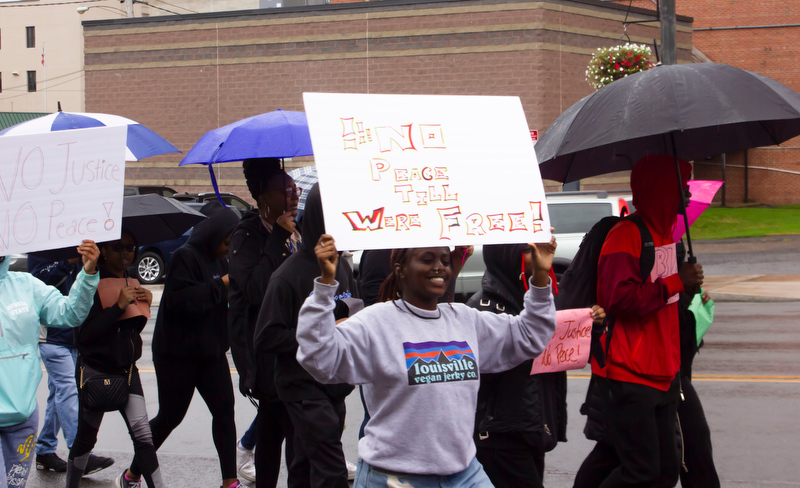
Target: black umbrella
(149, 219)
(153, 218)
(689, 111)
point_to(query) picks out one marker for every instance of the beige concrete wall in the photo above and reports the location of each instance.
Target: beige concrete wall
(59, 30)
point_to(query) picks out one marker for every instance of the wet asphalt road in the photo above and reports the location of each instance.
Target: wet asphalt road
(747, 376)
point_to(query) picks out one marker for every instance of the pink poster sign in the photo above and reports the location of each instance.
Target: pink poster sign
(569, 347)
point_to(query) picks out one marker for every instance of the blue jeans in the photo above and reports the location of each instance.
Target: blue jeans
(248, 440)
(371, 477)
(62, 401)
(16, 450)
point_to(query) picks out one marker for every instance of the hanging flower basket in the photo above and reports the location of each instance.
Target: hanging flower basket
(612, 63)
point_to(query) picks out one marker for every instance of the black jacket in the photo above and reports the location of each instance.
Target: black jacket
(255, 254)
(515, 408)
(288, 288)
(105, 342)
(192, 319)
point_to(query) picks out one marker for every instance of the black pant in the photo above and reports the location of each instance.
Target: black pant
(597, 466)
(641, 427)
(510, 466)
(318, 455)
(700, 471)
(272, 427)
(135, 416)
(177, 380)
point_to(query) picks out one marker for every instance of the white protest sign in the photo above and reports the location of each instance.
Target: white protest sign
(415, 170)
(61, 187)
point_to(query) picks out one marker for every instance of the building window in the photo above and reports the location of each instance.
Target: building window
(30, 34)
(31, 81)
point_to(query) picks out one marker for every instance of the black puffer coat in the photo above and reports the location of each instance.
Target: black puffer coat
(515, 407)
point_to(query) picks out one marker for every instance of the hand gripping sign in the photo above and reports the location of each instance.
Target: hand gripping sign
(410, 171)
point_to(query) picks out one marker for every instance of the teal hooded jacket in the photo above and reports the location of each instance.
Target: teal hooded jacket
(26, 302)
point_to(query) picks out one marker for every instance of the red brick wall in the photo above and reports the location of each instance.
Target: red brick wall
(773, 52)
(143, 69)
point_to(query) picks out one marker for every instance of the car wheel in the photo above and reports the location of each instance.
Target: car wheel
(150, 268)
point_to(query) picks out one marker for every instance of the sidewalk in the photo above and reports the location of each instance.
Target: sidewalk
(753, 288)
(722, 288)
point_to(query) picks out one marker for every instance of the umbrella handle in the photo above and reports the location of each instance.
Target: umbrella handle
(214, 184)
(682, 208)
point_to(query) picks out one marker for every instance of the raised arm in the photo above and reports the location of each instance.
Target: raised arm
(329, 353)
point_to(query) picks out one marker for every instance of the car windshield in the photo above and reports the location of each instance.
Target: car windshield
(567, 218)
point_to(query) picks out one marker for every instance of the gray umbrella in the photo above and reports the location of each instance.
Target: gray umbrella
(690, 111)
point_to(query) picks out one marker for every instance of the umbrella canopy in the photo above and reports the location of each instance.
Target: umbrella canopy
(702, 195)
(304, 178)
(149, 219)
(142, 142)
(153, 218)
(689, 111)
(278, 134)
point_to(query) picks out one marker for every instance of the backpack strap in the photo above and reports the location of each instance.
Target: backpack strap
(647, 256)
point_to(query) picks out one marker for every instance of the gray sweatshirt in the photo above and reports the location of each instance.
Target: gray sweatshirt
(420, 375)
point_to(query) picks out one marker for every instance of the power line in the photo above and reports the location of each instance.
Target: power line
(49, 4)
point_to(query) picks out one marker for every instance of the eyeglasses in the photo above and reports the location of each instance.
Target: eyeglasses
(123, 248)
(293, 191)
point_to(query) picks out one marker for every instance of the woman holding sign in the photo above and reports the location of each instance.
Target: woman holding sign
(419, 362)
(26, 302)
(109, 343)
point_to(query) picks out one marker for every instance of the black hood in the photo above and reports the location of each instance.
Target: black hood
(313, 224)
(503, 269)
(208, 234)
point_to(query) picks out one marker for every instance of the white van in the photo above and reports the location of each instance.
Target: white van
(572, 215)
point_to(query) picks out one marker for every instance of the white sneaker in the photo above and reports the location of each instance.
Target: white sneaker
(245, 463)
(351, 470)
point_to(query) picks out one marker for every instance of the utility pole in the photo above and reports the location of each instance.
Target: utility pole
(668, 32)
(129, 9)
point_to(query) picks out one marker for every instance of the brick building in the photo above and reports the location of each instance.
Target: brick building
(185, 75)
(764, 37)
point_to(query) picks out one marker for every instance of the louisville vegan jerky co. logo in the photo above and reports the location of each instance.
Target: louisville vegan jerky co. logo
(439, 362)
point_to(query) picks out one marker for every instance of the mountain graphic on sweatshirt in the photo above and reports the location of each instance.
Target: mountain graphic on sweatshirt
(439, 362)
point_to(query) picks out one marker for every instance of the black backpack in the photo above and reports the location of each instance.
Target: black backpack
(578, 285)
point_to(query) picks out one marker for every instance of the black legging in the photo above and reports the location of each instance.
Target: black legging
(135, 415)
(177, 380)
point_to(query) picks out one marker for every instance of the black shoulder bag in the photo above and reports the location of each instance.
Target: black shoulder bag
(102, 391)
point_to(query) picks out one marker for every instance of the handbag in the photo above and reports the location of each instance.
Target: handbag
(102, 391)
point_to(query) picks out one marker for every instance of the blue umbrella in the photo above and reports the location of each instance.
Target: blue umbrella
(279, 134)
(141, 142)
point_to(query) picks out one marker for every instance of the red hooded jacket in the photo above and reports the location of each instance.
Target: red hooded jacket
(645, 342)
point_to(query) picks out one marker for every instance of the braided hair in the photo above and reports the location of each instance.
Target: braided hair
(258, 172)
(390, 289)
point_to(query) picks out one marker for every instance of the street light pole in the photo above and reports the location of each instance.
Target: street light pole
(668, 32)
(129, 7)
